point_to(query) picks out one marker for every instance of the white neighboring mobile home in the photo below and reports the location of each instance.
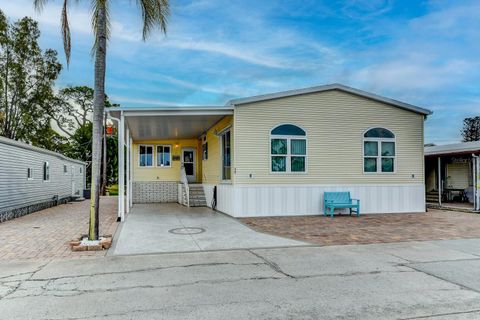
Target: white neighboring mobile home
(275, 154)
(33, 179)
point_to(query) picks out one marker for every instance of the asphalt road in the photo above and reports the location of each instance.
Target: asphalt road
(412, 280)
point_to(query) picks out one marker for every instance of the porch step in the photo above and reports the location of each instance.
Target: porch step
(196, 195)
(432, 196)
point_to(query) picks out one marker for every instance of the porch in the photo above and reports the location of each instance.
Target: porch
(452, 178)
(171, 154)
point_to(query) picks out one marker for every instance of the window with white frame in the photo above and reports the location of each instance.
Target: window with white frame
(164, 155)
(379, 151)
(46, 171)
(226, 155)
(65, 169)
(288, 149)
(29, 173)
(145, 156)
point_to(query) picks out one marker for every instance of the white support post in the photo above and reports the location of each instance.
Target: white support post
(439, 171)
(121, 168)
(476, 182)
(130, 141)
(127, 207)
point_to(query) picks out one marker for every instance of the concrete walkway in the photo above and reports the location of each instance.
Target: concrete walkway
(437, 280)
(158, 228)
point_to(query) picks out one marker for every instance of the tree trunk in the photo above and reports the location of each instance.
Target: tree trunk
(98, 111)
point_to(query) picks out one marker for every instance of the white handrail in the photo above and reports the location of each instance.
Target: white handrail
(184, 180)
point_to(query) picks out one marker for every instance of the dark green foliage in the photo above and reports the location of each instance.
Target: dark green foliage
(471, 129)
(48, 138)
(81, 148)
(27, 76)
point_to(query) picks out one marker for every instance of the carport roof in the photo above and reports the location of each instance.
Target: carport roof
(456, 148)
(170, 122)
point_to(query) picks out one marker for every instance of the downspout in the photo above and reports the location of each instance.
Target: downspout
(119, 214)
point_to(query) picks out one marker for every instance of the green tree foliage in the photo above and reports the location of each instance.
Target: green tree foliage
(81, 148)
(72, 113)
(471, 129)
(73, 108)
(49, 139)
(27, 75)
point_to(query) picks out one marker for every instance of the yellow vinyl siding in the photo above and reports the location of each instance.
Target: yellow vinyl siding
(212, 167)
(164, 173)
(335, 122)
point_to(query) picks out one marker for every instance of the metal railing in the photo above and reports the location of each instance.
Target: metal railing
(184, 180)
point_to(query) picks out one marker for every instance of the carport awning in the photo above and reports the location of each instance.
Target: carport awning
(453, 149)
(172, 122)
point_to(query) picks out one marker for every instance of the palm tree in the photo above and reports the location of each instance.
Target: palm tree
(154, 14)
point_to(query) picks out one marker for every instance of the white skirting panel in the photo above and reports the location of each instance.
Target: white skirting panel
(291, 200)
(208, 191)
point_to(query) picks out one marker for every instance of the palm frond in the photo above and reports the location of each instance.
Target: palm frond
(67, 44)
(39, 4)
(155, 13)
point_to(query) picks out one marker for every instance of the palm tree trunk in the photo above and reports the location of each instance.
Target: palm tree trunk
(98, 111)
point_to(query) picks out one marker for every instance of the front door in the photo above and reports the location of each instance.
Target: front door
(188, 161)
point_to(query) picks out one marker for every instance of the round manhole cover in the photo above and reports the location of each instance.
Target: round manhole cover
(187, 230)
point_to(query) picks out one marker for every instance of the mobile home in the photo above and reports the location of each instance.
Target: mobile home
(33, 178)
(275, 154)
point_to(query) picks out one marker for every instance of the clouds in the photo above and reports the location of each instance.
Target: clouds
(422, 52)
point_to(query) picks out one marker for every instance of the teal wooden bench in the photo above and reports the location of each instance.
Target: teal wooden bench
(339, 200)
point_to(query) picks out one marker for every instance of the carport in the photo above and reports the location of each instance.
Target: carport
(452, 174)
(171, 227)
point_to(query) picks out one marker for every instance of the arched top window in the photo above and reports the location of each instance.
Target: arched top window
(379, 151)
(288, 149)
(379, 133)
(288, 130)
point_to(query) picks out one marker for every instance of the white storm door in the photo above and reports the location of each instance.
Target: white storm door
(188, 161)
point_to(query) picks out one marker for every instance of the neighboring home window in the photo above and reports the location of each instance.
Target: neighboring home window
(205, 151)
(81, 170)
(226, 155)
(65, 169)
(288, 149)
(29, 174)
(146, 156)
(378, 151)
(46, 171)
(163, 156)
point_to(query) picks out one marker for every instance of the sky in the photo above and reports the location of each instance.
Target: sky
(425, 53)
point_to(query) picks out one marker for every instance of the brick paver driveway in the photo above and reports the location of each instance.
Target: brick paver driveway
(374, 228)
(44, 235)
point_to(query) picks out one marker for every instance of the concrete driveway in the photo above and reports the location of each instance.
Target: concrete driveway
(409, 280)
(157, 228)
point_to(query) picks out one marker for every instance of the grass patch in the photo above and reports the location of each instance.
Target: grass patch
(113, 190)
